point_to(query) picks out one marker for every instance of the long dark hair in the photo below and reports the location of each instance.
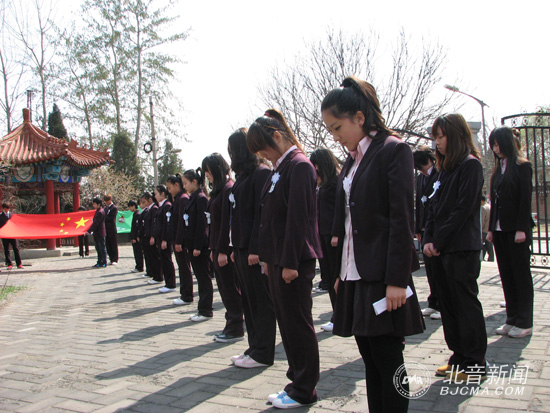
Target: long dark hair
(260, 133)
(459, 141)
(507, 140)
(195, 175)
(243, 162)
(356, 95)
(327, 165)
(175, 180)
(219, 168)
(161, 189)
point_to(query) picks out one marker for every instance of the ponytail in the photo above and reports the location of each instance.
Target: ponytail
(260, 133)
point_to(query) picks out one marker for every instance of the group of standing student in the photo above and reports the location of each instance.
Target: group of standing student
(360, 225)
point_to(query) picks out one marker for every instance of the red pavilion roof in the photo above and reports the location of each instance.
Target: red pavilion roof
(30, 144)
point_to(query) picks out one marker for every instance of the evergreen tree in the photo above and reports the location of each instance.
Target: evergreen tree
(170, 163)
(55, 124)
(124, 155)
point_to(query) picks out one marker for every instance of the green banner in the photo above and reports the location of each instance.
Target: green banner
(124, 222)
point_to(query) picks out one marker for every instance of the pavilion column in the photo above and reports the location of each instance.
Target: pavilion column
(76, 204)
(56, 211)
(50, 209)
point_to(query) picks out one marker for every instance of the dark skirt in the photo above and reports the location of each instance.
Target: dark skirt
(354, 314)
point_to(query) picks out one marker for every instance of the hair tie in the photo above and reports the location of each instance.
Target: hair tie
(268, 115)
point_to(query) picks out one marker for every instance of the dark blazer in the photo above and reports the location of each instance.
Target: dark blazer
(111, 212)
(288, 215)
(424, 188)
(176, 221)
(219, 209)
(160, 225)
(454, 219)
(511, 201)
(98, 223)
(245, 212)
(195, 232)
(381, 208)
(4, 218)
(141, 228)
(326, 200)
(135, 227)
(150, 219)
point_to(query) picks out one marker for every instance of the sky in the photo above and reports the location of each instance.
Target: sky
(496, 51)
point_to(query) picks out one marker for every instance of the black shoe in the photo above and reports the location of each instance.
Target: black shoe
(227, 338)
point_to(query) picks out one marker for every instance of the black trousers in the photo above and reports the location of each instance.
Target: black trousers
(168, 270)
(259, 315)
(146, 254)
(138, 255)
(101, 250)
(155, 268)
(200, 266)
(461, 311)
(382, 356)
(293, 305)
(83, 245)
(515, 274)
(430, 275)
(231, 296)
(186, 278)
(6, 242)
(111, 243)
(329, 268)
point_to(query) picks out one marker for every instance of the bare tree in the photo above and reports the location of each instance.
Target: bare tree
(34, 36)
(11, 69)
(299, 87)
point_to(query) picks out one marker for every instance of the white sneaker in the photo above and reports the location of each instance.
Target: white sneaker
(428, 311)
(502, 304)
(435, 316)
(179, 301)
(198, 317)
(504, 329)
(153, 282)
(271, 398)
(145, 276)
(135, 270)
(113, 263)
(166, 290)
(517, 332)
(319, 290)
(239, 357)
(248, 363)
(327, 327)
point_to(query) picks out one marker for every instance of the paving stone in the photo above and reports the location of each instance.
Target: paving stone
(79, 339)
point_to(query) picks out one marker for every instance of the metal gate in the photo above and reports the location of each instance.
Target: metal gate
(535, 141)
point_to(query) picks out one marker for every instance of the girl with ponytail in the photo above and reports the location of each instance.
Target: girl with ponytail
(193, 237)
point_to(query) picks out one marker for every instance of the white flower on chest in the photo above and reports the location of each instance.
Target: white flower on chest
(274, 180)
(232, 200)
(186, 219)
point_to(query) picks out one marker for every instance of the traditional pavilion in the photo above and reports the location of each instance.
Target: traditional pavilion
(39, 163)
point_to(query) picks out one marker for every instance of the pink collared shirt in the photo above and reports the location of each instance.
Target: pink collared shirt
(348, 269)
(282, 158)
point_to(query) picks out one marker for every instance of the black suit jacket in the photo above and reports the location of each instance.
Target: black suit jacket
(326, 200)
(288, 215)
(136, 223)
(245, 212)
(219, 209)
(195, 232)
(381, 208)
(454, 219)
(111, 212)
(98, 223)
(424, 188)
(163, 217)
(511, 202)
(176, 221)
(150, 219)
(4, 218)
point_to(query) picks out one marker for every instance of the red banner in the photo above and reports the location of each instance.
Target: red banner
(30, 226)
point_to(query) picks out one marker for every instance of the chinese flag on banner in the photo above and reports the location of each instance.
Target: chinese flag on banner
(30, 226)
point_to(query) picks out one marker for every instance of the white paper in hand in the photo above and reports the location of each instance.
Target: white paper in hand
(381, 305)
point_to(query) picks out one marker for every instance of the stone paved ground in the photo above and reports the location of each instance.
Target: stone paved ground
(83, 340)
